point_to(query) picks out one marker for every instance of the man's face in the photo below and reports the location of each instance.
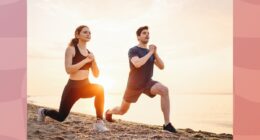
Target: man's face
(144, 37)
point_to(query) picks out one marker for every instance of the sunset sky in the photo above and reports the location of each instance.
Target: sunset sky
(194, 38)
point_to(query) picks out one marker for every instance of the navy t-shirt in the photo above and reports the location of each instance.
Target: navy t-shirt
(138, 77)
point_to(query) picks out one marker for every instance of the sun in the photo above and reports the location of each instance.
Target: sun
(106, 82)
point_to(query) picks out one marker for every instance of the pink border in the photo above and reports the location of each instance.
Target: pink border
(13, 70)
(246, 69)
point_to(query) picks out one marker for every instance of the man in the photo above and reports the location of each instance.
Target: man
(141, 61)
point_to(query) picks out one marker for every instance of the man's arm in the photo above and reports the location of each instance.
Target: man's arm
(158, 61)
(138, 62)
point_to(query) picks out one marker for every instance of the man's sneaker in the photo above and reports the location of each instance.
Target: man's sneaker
(100, 126)
(169, 128)
(109, 117)
(41, 115)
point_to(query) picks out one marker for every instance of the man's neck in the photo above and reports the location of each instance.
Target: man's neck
(141, 45)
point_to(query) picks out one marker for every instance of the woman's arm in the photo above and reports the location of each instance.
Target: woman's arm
(94, 67)
(70, 52)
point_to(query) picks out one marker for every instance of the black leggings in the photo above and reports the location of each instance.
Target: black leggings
(74, 90)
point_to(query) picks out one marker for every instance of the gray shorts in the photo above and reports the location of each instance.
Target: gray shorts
(131, 95)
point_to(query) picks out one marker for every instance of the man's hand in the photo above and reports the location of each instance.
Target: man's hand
(152, 48)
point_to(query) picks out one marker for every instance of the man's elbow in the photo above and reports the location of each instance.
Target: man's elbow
(137, 65)
(161, 67)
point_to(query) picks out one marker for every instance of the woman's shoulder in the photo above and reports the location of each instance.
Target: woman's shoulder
(70, 49)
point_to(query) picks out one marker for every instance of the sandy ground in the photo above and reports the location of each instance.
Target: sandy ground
(80, 127)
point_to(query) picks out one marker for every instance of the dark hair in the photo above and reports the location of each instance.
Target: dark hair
(140, 29)
(75, 41)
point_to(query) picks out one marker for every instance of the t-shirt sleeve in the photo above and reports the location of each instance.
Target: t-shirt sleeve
(132, 53)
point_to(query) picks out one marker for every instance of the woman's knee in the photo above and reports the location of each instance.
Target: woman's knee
(61, 118)
(100, 89)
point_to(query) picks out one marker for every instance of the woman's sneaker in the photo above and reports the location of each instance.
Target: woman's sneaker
(100, 126)
(169, 128)
(41, 116)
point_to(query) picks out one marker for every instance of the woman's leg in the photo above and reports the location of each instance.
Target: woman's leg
(67, 101)
(97, 91)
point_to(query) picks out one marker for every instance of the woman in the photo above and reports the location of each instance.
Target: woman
(78, 61)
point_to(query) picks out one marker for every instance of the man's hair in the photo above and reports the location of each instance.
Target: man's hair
(140, 29)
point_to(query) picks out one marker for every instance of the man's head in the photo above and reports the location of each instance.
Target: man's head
(142, 34)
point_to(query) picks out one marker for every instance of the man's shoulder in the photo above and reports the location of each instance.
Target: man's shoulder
(134, 48)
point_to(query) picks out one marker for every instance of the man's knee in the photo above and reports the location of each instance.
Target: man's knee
(163, 91)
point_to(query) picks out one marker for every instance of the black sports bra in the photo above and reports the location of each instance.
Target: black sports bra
(79, 57)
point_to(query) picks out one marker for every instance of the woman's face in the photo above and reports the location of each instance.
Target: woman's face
(84, 34)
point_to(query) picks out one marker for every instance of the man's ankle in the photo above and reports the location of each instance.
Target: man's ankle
(166, 123)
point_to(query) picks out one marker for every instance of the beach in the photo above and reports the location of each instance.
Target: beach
(78, 126)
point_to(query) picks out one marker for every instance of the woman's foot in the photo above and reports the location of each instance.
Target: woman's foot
(41, 116)
(100, 126)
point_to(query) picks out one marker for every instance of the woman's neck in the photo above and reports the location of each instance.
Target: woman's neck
(82, 44)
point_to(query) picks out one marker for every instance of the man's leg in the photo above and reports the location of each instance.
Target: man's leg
(119, 110)
(163, 91)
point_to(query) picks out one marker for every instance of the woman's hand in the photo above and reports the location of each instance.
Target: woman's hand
(91, 56)
(88, 59)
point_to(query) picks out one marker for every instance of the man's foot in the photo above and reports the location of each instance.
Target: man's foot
(169, 128)
(109, 117)
(41, 116)
(100, 126)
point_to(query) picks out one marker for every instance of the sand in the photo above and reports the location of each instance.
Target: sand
(79, 126)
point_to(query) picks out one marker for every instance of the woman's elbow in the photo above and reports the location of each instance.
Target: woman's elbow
(69, 71)
(96, 74)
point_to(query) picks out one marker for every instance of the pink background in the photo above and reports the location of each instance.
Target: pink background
(246, 69)
(13, 70)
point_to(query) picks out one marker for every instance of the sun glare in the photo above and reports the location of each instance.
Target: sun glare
(106, 82)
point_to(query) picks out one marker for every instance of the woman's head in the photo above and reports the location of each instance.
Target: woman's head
(81, 33)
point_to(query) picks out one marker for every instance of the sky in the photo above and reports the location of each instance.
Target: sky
(194, 39)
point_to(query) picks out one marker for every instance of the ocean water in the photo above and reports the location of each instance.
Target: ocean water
(206, 112)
